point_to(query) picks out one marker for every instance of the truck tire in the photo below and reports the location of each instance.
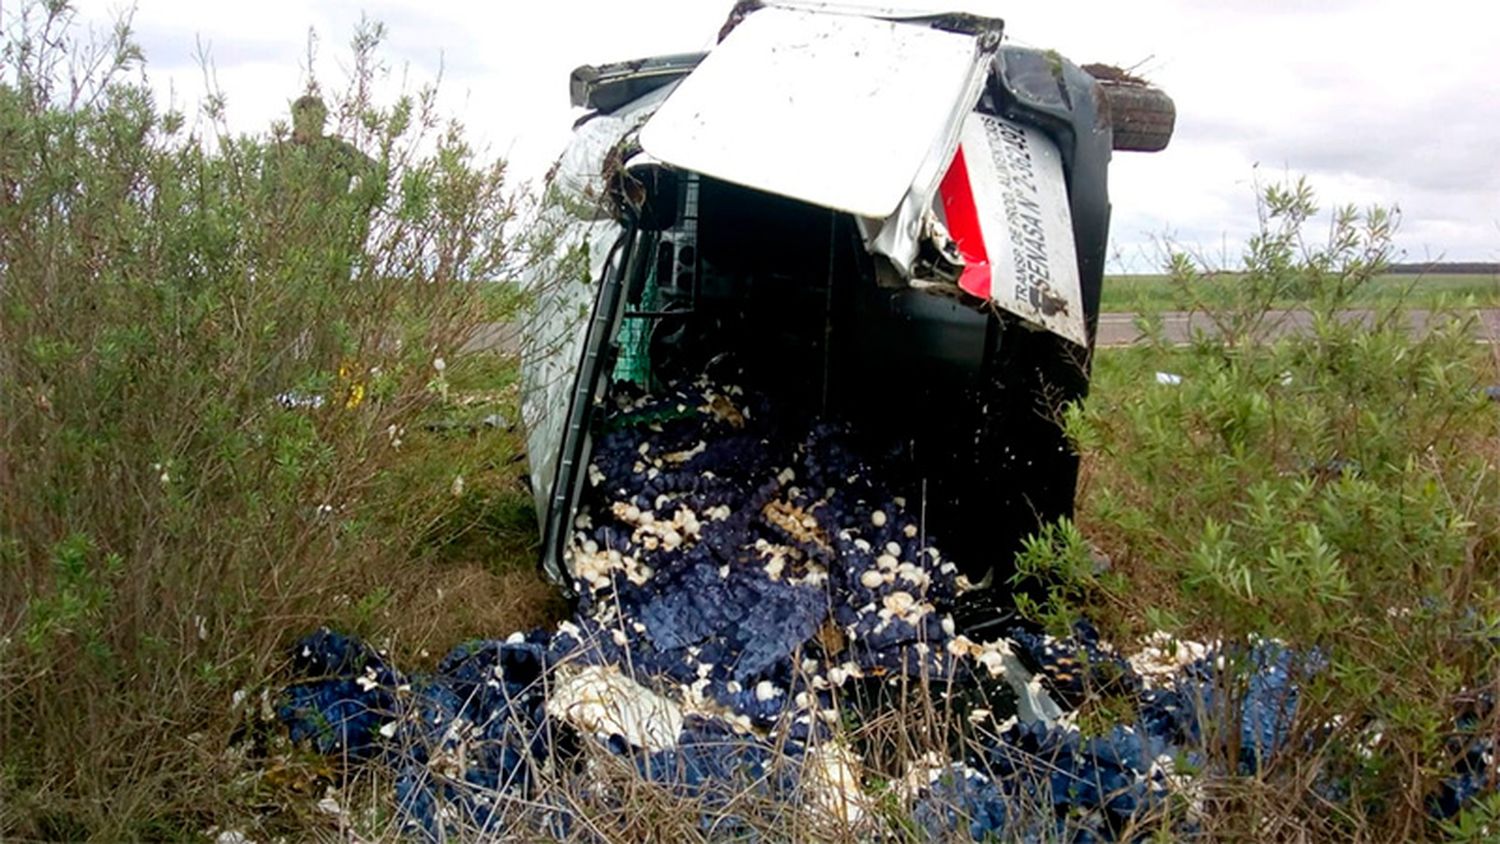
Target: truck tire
(1142, 117)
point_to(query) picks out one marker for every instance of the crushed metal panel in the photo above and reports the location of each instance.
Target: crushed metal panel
(898, 235)
(607, 87)
(575, 234)
(552, 343)
(1006, 204)
(976, 11)
(833, 110)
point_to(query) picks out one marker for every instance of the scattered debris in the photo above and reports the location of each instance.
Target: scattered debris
(607, 703)
(491, 422)
(300, 401)
(701, 654)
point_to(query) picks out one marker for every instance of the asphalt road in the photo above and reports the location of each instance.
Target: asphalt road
(1118, 329)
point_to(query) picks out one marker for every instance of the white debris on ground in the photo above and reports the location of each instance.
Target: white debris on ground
(1163, 656)
(599, 700)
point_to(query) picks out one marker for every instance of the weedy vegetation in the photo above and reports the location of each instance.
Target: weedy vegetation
(1336, 490)
(1130, 293)
(229, 414)
(219, 357)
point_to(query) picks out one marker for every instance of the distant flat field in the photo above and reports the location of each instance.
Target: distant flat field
(1135, 292)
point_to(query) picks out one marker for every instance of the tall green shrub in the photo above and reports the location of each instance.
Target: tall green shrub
(166, 519)
(1327, 479)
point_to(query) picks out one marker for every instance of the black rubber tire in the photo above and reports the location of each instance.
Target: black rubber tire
(1141, 116)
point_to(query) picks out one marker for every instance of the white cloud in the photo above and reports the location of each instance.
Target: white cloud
(1376, 101)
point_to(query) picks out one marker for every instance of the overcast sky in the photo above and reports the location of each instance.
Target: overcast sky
(1376, 101)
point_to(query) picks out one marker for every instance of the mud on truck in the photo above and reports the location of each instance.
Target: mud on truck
(894, 219)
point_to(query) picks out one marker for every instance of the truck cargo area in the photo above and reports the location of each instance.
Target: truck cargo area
(781, 297)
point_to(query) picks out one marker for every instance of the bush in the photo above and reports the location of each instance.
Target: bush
(211, 349)
(1333, 487)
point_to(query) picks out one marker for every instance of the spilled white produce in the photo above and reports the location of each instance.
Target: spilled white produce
(715, 676)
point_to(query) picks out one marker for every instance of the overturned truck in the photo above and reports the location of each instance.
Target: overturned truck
(891, 219)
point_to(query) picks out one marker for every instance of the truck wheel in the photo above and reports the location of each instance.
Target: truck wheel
(1142, 117)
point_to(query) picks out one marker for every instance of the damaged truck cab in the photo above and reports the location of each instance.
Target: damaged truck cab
(893, 220)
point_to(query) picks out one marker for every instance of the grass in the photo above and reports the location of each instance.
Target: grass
(1128, 293)
(458, 495)
(1337, 491)
(167, 528)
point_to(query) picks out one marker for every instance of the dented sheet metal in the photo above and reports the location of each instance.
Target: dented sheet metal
(832, 7)
(580, 233)
(1006, 204)
(838, 111)
(1001, 213)
(873, 113)
(876, 118)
